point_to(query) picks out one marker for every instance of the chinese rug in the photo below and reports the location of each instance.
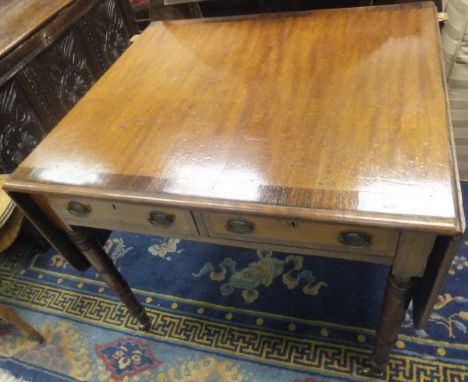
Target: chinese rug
(220, 314)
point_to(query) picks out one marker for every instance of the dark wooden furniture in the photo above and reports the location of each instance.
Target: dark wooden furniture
(274, 132)
(181, 9)
(51, 52)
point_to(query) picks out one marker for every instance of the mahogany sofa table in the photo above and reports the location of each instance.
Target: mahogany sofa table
(322, 132)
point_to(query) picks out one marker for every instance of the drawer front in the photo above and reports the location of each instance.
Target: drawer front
(336, 237)
(139, 218)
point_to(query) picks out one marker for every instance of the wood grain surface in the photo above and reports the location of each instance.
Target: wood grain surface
(334, 115)
(125, 217)
(20, 18)
(302, 233)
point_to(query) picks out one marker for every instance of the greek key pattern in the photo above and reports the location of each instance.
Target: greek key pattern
(229, 339)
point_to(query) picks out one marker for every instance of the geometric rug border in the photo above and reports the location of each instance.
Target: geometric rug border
(235, 341)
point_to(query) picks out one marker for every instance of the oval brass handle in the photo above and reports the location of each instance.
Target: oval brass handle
(355, 239)
(161, 218)
(78, 208)
(239, 225)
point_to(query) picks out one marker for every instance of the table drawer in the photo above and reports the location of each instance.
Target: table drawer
(370, 240)
(139, 218)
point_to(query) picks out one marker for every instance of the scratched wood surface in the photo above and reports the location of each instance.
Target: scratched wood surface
(327, 115)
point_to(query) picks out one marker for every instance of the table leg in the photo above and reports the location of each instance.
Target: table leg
(98, 258)
(398, 294)
(54, 235)
(10, 315)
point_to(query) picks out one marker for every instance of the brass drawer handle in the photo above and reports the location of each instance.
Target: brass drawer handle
(161, 218)
(355, 239)
(239, 225)
(78, 209)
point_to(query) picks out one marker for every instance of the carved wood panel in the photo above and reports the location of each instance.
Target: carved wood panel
(106, 31)
(21, 129)
(51, 82)
(62, 74)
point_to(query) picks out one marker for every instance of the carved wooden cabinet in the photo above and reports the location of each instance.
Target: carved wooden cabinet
(51, 53)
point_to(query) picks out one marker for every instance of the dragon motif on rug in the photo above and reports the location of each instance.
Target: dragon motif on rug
(260, 273)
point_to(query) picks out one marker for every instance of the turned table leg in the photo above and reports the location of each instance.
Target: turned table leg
(9, 315)
(55, 234)
(397, 297)
(98, 258)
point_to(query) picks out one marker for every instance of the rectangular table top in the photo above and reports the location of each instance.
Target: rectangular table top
(331, 114)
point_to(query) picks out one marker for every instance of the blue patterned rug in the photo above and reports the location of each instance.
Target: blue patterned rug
(220, 314)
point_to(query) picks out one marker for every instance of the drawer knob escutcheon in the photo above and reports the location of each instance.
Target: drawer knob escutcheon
(292, 224)
(239, 225)
(355, 239)
(78, 208)
(161, 218)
